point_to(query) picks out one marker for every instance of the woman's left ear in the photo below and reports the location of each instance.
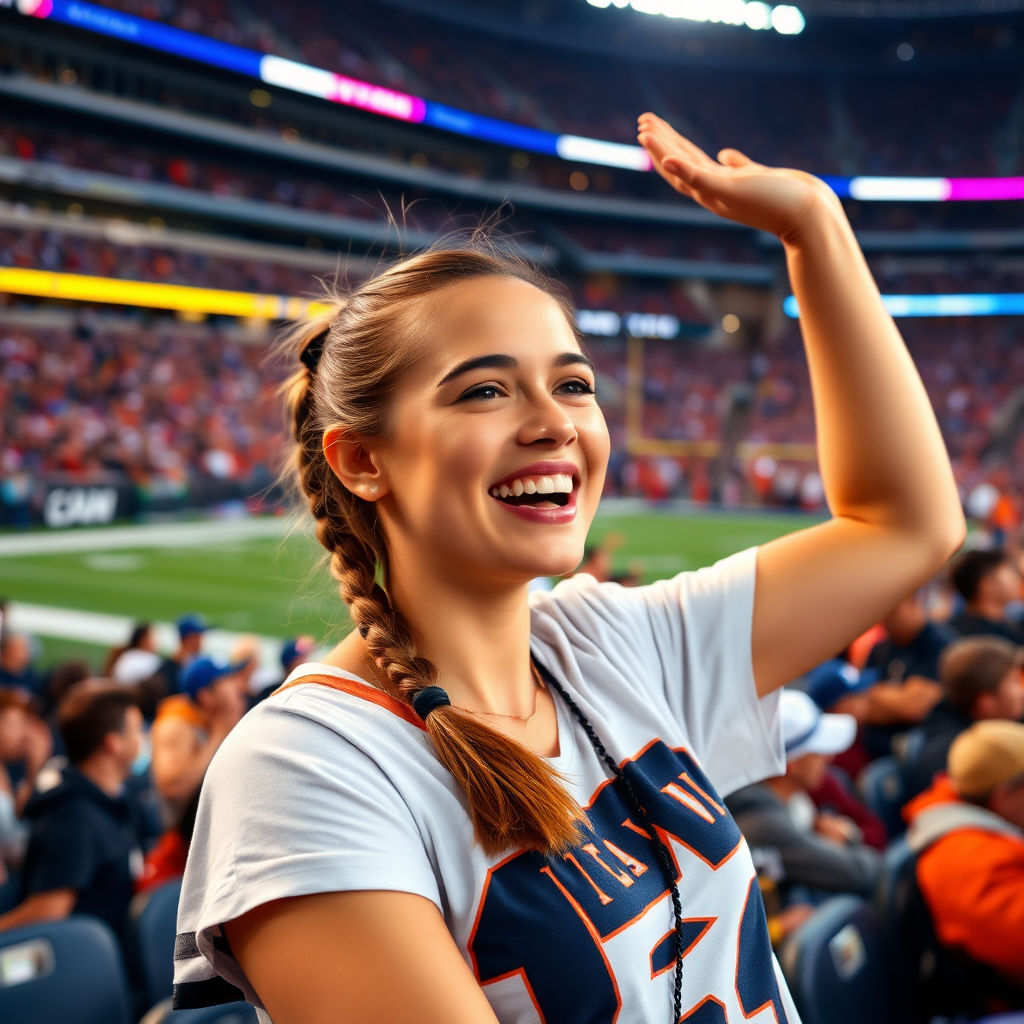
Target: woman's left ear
(353, 464)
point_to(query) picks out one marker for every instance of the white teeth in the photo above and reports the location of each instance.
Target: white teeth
(557, 483)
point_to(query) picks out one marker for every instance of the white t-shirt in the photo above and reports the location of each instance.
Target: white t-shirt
(321, 789)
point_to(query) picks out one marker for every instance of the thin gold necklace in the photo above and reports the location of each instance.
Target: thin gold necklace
(519, 718)
(494, 714)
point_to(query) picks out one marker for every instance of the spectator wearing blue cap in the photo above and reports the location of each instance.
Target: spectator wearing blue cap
(191, 725)
(191, 629)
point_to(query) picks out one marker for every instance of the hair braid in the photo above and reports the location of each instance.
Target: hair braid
(515, 798)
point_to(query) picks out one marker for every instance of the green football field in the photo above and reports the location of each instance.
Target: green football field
(278, 587)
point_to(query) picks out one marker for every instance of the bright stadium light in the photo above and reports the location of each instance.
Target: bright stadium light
(785, 19)
(970, 304)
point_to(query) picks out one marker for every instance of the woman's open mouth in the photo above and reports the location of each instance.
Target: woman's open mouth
(538, 491)
(543, 493)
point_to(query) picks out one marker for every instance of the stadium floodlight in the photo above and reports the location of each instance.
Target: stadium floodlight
(785, 19)
(970, 304)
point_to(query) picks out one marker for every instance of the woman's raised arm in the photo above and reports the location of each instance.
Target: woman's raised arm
(358, 957)
(896, 514)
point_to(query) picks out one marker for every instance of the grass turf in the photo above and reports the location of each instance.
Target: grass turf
(281, 588)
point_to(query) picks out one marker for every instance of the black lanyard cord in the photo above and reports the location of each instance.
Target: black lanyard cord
(664, 856)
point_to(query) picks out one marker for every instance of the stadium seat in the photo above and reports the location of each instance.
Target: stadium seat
(152, 921)
(881, 788)
(63, 972)
(837, 967)
(228, 1013)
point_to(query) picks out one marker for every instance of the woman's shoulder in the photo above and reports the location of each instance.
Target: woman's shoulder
(588, 604)
(320, 718)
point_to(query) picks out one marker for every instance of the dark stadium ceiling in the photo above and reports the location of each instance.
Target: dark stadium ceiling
(864, 32)
(503, 13)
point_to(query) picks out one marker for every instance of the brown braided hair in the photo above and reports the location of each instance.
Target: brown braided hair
(516, 799)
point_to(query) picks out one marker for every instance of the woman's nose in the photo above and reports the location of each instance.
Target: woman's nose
(548, 424)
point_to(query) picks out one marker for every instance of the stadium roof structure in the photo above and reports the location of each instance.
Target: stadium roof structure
(320, 83)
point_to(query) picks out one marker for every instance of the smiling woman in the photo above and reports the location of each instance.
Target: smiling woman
(487, 805)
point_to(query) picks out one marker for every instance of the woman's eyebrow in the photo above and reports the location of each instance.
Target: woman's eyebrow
(495, 362)
(504, 362)
(573, 358)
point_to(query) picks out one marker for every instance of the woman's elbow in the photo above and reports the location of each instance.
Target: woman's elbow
(947, 536)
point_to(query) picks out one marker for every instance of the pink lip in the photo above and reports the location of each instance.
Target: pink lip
(541, 469)
(554, 516)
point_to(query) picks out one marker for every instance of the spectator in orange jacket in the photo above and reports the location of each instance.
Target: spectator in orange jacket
(969, 831)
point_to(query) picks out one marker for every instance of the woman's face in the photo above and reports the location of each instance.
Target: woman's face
(496, 456)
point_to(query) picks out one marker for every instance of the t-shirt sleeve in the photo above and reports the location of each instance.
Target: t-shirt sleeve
(289, 808)
(62, 853)
(687, 640)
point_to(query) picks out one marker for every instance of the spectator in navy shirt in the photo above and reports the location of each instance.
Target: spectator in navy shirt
(16, 671)
(82, 852)
(988, 582)
(907, 662)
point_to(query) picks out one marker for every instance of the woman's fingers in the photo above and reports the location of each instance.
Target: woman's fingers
(734, 158)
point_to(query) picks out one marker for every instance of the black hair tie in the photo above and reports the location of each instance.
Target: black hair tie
(310, 355)
(429, 698)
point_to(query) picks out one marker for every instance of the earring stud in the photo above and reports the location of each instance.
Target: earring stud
(373, 488)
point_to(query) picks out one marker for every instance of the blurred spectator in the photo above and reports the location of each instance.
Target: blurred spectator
(137, 660)
(191, 725)
(256, 677)
(62, 678)
(14, 748)
(294, 652)
(989, 582)
(981, 679)
(191, 629)
(16, 669)
(82, 851)
(166, 860)
(817, 851)
(908, 665)
(968, 830)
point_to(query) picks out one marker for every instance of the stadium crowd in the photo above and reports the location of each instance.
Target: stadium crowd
(806, 121)
(167, 403)
(160, 403)
(908, 742)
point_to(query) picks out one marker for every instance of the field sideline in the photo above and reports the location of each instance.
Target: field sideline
(258, 576)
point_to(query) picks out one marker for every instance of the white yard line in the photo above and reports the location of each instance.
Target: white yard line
(155, 535)
(111, 630)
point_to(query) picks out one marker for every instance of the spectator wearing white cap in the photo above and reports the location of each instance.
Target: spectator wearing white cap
(820, 851)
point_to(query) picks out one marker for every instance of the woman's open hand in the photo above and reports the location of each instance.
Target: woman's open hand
(769, 198)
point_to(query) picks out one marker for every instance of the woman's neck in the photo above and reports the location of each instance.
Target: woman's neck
(478, 637)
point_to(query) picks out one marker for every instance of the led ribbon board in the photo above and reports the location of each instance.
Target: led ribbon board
(376, 99)
(978, 304)
(150, 295)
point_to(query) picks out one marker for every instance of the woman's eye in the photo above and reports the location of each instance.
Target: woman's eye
(576, 387)
(486, 392)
